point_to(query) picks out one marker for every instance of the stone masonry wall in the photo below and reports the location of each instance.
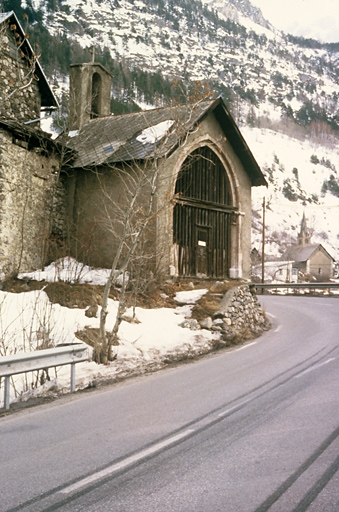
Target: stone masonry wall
(24, 105)
(27, 176)
(240, 313)
(240, 317)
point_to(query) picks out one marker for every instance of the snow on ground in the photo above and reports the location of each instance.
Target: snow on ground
(28, 320)
(69, 270)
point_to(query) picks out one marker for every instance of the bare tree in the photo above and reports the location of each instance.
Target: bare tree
(131, 220)
(127, 220)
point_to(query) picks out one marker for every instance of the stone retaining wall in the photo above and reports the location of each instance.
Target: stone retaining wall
(240, 313)
(240, 316)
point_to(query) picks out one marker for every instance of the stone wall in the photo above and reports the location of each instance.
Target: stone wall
(240, 317)
(240, 314)
(22, 104)
(27, 178)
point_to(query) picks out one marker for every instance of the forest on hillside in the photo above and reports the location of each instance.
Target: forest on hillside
(133, 84)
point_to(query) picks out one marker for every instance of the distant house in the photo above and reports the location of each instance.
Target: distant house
(206, 171)
(275, 271)
(312, 260)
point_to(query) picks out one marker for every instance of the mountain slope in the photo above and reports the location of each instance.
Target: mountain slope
(190, 40)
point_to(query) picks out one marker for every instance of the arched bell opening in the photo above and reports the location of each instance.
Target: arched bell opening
(96, 96)
(203, 216)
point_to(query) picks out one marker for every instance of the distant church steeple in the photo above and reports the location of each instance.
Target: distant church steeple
(304, 237)
(90, 92)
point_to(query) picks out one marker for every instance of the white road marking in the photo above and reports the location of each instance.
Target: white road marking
(245, 346)
(314, 367)
(224, 413)
(126, 462)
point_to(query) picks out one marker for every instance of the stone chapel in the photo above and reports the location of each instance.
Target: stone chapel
(202, 225)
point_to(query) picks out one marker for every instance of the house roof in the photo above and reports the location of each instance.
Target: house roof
(48, 98)
(33, 137)
(302, 253)
(155, 133)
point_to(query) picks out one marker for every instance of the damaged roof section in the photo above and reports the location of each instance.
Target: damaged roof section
(154, 134)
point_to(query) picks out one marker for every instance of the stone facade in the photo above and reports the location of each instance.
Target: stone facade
(19, 89)
(29, 160)
(209, 134)
(90, 93)
(27, 177)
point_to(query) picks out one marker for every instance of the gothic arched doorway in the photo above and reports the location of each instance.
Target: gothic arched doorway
(203, 215)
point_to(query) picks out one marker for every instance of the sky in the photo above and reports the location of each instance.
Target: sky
(318, 19)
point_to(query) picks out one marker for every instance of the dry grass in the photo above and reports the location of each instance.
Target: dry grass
(84, 295)
(209, 303)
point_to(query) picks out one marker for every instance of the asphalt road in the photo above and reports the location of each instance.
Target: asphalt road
(250, 429)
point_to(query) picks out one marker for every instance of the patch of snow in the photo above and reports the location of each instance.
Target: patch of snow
(69, 270)
(190, 297)
(29, 321)
(155, 133)
(73, 133)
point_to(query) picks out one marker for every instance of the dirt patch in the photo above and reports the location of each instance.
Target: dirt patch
(89, 335)
(84, 295)
(209, 303)
(21, 285)
(74, 295)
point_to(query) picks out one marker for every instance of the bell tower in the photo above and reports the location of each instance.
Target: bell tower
(90, 93)
(304, 236)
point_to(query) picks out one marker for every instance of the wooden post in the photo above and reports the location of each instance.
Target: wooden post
(263, 242)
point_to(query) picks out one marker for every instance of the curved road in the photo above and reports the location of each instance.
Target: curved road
(250, 429)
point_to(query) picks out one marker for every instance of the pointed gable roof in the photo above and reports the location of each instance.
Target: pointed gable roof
(302, 253)
(141, 135)
(48, 98)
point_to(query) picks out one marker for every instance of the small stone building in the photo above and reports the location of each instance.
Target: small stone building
(311, 260)
(29, 160)
(205, 171)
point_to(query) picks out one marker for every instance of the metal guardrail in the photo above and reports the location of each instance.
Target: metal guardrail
(296, 286)
(41, 360)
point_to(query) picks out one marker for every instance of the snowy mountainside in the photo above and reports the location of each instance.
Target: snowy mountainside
(296, 172)
(229, 44)
(237, 10)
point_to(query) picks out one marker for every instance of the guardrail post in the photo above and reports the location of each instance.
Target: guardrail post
(72, 377)
(6, 391)
(14, 364)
